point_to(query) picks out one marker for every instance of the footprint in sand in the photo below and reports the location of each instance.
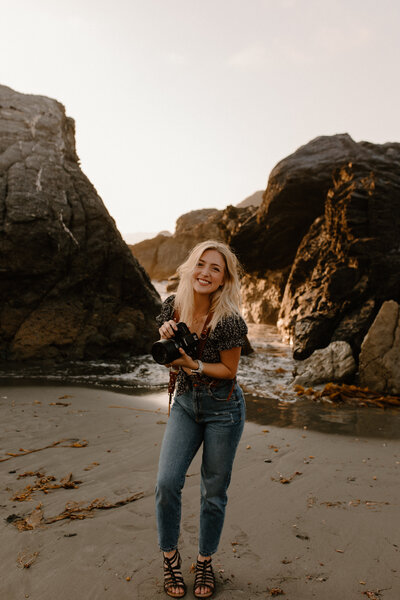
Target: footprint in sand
(241, 545)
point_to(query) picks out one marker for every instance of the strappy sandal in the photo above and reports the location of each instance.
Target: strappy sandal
(173, 576)
(204, 578)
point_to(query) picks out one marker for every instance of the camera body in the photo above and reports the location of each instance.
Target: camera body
(166, 351)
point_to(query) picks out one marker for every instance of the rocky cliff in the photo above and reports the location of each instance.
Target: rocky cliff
(69, 286)
(328, 229)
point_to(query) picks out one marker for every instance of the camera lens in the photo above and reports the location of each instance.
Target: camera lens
(165, 351)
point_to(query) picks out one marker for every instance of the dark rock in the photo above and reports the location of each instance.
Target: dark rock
(349, 261)
(69, 286)
(294, 198)
(267, 241)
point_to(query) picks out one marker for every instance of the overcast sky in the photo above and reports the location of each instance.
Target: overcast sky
(186, 104)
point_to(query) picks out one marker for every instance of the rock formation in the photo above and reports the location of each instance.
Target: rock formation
(69, 286)
(330, 219)
(162, 255)
(379, 367)
(333, 363)
(348, 263)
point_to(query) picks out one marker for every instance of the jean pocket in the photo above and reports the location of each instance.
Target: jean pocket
(223, 391)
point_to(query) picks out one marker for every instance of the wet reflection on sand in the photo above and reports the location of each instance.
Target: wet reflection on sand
(325, 417)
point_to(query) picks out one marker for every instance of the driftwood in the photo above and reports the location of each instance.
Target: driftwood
(43, 484)
(23, 452)
(349, 394)
(73, 511)
(26, 559)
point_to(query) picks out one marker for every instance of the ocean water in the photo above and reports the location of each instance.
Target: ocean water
(266, 377)
(266, 373)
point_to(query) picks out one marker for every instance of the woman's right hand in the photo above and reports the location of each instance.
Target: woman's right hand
(167, 330)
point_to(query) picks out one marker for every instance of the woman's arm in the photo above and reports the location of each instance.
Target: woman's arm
(225, 369)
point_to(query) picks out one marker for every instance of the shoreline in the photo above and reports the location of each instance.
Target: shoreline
(332, 530)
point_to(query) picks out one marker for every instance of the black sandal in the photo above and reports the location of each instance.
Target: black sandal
(173, 576)
(204, 578)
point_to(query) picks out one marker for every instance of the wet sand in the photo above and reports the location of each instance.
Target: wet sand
(332, 530)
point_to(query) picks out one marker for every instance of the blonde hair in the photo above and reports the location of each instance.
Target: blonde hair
(226, 300)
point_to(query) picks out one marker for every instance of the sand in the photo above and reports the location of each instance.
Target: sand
(332, 531)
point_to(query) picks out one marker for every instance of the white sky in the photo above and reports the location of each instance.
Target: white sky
(186, 104)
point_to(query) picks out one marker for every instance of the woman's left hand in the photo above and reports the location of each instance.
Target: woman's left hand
(186, 362)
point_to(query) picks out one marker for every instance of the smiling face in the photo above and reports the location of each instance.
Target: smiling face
(209, 273)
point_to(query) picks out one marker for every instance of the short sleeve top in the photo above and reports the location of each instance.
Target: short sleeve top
(229, 333)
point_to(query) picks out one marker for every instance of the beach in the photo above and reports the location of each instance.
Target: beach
(310, 514)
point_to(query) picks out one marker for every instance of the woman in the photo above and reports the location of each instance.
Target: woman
(208, 407)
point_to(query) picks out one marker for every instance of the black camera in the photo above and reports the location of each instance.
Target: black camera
(166, 351)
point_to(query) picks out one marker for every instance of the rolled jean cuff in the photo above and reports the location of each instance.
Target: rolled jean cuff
(169, 549)
(207, 553)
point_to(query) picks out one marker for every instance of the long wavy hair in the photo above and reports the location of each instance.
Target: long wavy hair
(226, 300)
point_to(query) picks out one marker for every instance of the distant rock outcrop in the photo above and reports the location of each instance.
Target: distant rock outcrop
(69, 286)
(253, 200)
(162, 255)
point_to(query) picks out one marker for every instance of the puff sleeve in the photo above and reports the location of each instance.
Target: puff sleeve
(229, 333)
(167, 311)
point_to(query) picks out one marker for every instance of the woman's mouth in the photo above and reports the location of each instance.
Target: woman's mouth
(203, 282)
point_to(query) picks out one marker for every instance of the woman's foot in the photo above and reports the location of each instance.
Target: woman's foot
(204, 582)
(174, 585)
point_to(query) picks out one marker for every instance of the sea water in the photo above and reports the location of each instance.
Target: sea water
(266, 377)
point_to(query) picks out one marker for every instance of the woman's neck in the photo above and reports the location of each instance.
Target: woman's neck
(202, 304)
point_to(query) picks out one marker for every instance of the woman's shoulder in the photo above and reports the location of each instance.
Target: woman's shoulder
(232, 320)
(167, 310)
(230, 331)
(169, 301)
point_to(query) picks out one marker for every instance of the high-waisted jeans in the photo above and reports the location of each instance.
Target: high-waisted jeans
(201, 415)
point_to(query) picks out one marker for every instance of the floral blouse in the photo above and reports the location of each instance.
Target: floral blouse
(229, 333)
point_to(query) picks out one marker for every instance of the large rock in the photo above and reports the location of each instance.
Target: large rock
(379, 367)
(329, 218)
(294, 198)
(69, 286)
(334, 363)
(348, 262)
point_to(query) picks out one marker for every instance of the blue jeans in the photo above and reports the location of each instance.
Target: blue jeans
(201, 415)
